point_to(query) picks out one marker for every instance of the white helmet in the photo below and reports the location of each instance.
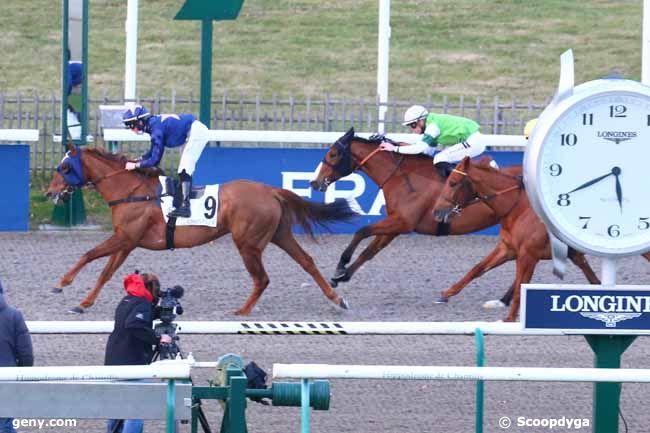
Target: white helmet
(415, 113)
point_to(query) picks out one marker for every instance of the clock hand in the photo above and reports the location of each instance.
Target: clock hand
(591, 182)
(616, 171)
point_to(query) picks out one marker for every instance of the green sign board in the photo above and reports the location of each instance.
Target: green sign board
(209, 9)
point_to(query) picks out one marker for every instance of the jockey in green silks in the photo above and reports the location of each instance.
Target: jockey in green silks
(444, 137)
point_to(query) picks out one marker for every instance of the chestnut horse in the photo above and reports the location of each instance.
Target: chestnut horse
(524, 237)
(411, 187)
(254, 213)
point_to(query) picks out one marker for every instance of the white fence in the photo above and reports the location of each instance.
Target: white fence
(401, 372)
(254, 136)
(308, 328)
(19, 135)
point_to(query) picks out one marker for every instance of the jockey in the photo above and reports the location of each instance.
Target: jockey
(528, 129)
(445, 137)
(169, 130)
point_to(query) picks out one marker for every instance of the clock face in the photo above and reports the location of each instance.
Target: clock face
(592, 173)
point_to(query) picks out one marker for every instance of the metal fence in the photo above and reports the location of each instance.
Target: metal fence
(42, 112)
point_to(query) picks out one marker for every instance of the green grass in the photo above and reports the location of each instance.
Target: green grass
(311, 47)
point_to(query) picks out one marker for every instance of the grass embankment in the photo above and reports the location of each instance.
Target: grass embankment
(310, 47)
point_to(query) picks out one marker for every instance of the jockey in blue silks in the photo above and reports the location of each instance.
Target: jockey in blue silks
(169, 130)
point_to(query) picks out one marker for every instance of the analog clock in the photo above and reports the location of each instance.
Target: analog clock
(587, 167)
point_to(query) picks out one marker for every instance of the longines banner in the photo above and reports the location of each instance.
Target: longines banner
(293, 169)
(585, 309)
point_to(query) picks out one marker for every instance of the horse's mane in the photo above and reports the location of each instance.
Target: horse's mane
(121, 159)
(114, 157)
(365, 140)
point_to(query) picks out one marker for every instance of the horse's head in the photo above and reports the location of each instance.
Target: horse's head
(69, 176)
(456, 193)
(337, 163)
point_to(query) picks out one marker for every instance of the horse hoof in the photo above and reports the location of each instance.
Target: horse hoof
(334, 283)
(57, 290)
(344, 304)
(341, 277)
(77, 310)
(441, 301)
(495, 303)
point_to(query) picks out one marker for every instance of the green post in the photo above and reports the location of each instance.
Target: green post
(234, 417)
(207, 11)
(75, 41)
(171, 405)
(607, 350)
(480, 358)
(206, 71)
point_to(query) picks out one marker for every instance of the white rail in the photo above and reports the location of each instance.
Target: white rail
(387, 372)
(308, 328)
(157, 370)
(227, 135)
(19, 135)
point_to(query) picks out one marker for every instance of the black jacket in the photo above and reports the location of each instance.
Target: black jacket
(15, 340)
(133, 338)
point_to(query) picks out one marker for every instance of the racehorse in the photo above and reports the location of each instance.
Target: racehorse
(254, 213)
(524, 237)
(411, 187)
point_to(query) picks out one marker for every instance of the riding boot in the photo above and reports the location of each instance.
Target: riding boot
(444, 168)
(183, 211)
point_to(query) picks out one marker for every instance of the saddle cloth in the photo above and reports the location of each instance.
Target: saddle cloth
(204, 203)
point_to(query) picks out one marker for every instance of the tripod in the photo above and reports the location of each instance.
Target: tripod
(172, 351)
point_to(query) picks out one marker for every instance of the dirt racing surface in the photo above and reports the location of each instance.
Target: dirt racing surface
(400, 284)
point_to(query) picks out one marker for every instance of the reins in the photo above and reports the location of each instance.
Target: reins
(128, 198)
(392, 173)
(487, 197)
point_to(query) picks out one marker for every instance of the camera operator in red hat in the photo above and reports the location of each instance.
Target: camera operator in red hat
(133, 339)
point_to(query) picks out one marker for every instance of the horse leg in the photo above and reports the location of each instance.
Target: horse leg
(497, 257)
(377, 244)
(577, 258)
(525, 269)
(505, 300)
(393, 225)
(646, 256)
(108, 247)
(288, 243)
(113, 264)
(580, 261)
(252, 256)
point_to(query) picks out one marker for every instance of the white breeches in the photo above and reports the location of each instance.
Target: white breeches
(471, 147)
(193, 147)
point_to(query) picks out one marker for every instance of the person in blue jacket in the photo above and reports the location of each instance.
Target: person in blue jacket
(169, 130)
(15, 346)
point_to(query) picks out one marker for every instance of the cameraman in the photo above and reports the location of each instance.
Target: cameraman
(133, 339)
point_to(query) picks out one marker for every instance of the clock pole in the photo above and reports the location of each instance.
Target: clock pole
(608, 350)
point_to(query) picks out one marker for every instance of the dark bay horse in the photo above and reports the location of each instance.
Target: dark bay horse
(523, 236)
(254, 213)
(411, 187)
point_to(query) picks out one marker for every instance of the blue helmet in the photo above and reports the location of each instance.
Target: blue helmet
(135, 116)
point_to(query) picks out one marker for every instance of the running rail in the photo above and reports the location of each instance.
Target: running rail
(307, 328)
(229, 135)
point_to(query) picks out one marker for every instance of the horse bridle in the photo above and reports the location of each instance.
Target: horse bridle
(128, 199)
(348, 165)
(478, 198)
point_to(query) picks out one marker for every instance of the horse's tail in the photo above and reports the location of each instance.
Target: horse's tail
(308, 214)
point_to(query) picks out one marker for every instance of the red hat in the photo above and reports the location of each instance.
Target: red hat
(134, 286)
